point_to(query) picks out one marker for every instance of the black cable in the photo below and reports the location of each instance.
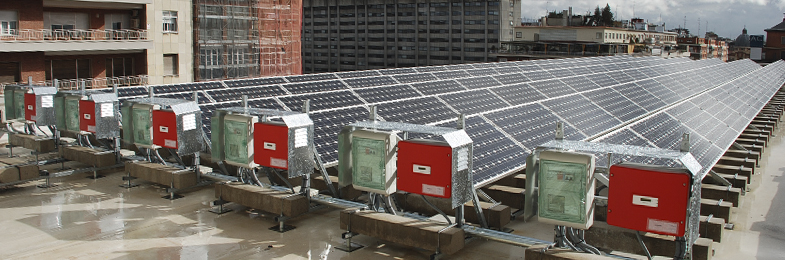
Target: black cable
(646, 250)
(437, 209)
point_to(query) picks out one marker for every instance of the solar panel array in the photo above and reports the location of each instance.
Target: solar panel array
(511, 107)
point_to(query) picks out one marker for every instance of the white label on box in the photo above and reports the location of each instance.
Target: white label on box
(163, 129)
(663, 226)
(432, 190)
(91, 128)
(47, 101)
(421, 169)
(269, 146)
(277, 162)
(107, 110)
(645, 201)
(170, 143)
(87, 116)
(463, 159)
(189, 122)
(300, 137)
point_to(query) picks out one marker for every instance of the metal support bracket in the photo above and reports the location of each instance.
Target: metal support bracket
(281, 227)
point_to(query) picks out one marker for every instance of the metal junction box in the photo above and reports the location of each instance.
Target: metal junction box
(239, 140)
(426, 167)
(284, 140)
(374, 161)
(163, 122)
(101, 109)
(287, 144)
(93, 111)
(39, 105)
(272, 145)
(649, 198)
(15, 101)
(566, 189)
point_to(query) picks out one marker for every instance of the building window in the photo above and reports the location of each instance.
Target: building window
(599, 35)
(118, 67)
(68, 69)
(170, 21)
(519, 35)
(170, 65)
(9, 72)
(8, 23)
(209, 57)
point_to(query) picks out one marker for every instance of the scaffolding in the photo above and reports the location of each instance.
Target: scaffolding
(247, 38)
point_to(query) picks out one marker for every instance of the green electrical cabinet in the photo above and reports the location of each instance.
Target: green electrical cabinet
(566, 189)
(374, 161)
(142, 125)
(238, 140)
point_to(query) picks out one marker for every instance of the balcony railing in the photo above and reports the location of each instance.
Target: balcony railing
(73, 35)
(89, 83)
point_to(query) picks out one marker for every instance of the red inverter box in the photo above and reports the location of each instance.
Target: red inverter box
(271, 145)
(425, 168)
(30, 106)
(165, 128)
(649, 198)
(87, 116)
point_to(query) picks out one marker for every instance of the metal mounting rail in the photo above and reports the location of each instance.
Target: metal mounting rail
(503, 237)
(337, 203)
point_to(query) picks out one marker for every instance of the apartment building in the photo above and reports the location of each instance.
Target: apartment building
(533, 42)
(96, 42)
(247, 38)
(343, 35)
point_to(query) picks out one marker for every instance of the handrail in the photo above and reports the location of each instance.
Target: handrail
(73, 35)
(90, 83)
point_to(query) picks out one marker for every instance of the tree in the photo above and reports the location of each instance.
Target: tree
(597, 16)
(607, 16)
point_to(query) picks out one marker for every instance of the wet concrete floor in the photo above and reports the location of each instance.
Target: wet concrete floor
(95, 219)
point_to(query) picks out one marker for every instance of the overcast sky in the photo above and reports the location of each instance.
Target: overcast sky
(725, 17)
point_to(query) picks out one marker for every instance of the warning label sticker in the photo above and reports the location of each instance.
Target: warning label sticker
(433, 190)
(275, 162)
(663, 226)
(170, 143)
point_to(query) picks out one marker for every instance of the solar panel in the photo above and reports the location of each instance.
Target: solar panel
(552, 88)
(519, 94)
(515, 78)
(473, 102)
(322, 101)
(328, 124)
(416, 111)
(311, 77)
(387, 93)
(507, 117)
(531, 125)
(438, 87)
(538, 75)
(478, 82)
(370, 82)
(616, 104)
(582, 113)
(310, 87)
(418, 77)
(222, 95)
